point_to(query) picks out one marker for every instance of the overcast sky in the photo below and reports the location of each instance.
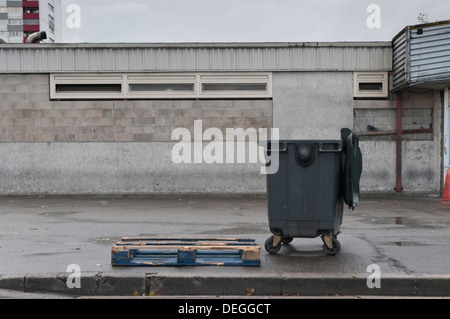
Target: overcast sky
(244, 20)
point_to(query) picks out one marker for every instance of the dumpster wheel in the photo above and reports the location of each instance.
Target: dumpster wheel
(287, 239)
(331, 245)
(272, 245)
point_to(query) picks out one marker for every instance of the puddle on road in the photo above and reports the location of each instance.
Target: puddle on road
(236, 231)
(104, 240)
(406, 243)
(405, 221)
(302, 250)
(59, 213)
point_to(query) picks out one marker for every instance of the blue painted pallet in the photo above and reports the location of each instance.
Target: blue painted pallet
(145, 251)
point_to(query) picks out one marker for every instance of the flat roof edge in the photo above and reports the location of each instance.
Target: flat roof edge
(190, 45)
(420, 26)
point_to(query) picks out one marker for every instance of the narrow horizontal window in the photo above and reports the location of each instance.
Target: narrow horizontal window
(212, 85)
(88, 88)
(370, 85)
(373, 87)
(234, 87)
(162, 87)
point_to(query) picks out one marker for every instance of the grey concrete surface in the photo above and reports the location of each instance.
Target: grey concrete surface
(41, 236)
(305, 103)
(104, 168)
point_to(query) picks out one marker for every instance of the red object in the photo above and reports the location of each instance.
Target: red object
(30, 4)
(32, 28)
(446, 194)
(30, 16)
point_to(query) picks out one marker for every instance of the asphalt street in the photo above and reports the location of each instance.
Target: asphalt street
(40, 237)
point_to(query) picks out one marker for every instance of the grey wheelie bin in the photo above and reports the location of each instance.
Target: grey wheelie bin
(306, 195)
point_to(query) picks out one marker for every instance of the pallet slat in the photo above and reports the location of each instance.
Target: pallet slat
(191, 239)
(146, 251)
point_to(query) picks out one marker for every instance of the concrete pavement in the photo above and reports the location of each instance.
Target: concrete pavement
(406, 237)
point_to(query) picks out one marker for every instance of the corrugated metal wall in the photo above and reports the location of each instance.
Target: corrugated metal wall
(196, 57)
(400, 46)
(430, 54)
(421, 56)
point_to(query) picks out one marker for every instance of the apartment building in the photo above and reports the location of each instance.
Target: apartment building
(19, 19)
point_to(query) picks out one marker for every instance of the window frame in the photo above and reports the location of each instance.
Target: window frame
(83, 79)
(126, 80)
(236, 78)
(371, 78)
(161, 78)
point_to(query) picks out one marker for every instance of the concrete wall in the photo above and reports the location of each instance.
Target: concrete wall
(114, 147)
(417, 113)
(28, 115)
(116, 168)
(421, 153)
(124, 147)
(312, 105)
(420, 167)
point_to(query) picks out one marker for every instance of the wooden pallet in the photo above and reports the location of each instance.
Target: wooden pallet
(145, 251)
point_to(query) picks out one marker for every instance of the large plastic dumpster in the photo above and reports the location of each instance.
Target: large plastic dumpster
(306, 195)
